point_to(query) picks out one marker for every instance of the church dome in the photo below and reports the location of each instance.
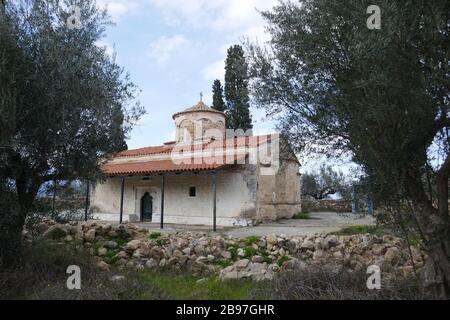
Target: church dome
(199, 123)
(199, 107)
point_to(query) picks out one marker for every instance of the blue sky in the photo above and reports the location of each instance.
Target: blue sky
(174, 49)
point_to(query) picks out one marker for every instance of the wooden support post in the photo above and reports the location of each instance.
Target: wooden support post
(354, 207)
(163, 182)
(54, 199)
(121, 199)
(214, 191)
(86, 208)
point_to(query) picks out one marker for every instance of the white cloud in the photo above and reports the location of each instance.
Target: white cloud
(214, 71)
(221, 15)
(117, 9)
(108, 48)
(164, 47)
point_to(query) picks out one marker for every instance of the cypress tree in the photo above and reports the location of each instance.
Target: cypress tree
(218, 103)
(236, 90)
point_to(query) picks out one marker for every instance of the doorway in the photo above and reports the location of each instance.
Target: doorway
(146, 207)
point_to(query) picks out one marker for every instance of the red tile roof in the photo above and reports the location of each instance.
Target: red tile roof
(252, 141)
(145, 151)
(161, 166)
(199, 107)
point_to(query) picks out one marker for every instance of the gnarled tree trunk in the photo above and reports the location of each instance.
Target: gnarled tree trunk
(12, 220)
(435, 230)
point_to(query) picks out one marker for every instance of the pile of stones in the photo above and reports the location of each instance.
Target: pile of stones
(127, 246)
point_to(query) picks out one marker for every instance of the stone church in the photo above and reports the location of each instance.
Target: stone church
(208, 176)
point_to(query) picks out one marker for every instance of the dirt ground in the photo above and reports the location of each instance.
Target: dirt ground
(319, 222)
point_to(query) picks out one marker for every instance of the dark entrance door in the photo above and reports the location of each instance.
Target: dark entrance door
(146, 207)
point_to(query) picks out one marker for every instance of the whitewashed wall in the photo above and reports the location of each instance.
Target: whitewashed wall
(234, 198)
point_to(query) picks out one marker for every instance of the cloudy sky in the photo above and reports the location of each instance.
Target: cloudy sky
(174, 49)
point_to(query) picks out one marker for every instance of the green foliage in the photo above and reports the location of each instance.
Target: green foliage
(251, 240)
(56, 234)
(110, 256)
(361, 229)
(81, 104)
(379, 96)
(266, 257)
(233, 250)
(43, 276)
(283, 260)
(339, 87)
(218, 103)
(302, 216)
(182, 286)
(159, 242)
(236, 90)
(224, 263)
(154, 235)
(325, 182)
(120, 242)
(65, 103)
(250, 252)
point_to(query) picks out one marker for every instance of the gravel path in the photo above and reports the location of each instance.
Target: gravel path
(320, 222)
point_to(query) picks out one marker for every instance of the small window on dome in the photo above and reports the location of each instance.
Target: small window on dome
(192, 192)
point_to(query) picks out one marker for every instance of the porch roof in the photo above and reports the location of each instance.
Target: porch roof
(163, 166)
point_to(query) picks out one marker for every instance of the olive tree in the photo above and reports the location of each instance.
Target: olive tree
(67, 104)
(381, 95)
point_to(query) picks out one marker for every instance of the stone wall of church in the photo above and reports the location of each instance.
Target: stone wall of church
(199, 125)
(279, 196)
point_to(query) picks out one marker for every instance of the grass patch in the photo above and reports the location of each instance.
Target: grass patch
(42, 276)
(186, 287)
(120, 242)
(155, 235)
(282, 260)
(266, 257)
(302, 216)
(250, 252)
(361, 229)
(110, 256)
(234, 252)
(224, 263)
(251, 240)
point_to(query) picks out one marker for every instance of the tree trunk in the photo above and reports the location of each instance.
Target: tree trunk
(13, 221)
(435, 230)
(11, 239)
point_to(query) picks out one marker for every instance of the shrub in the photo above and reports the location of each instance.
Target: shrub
(336, 283)
(266, 257)
(302, 216)
(154, 235)
(233, 250)
(120, 242)
(361, 229)
(251, 240)
(42, 276)
(250, 252)
(224, 263)
(282, 260)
